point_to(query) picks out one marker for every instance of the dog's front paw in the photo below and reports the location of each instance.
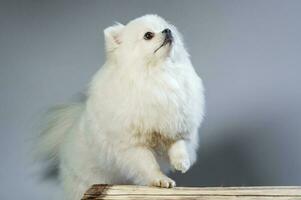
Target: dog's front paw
(180, 163)
(179, 157)
(163, 181)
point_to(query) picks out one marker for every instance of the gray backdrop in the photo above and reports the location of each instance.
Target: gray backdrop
(247, 52)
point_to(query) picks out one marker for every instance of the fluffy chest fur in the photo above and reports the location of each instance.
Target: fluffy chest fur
(155, 101)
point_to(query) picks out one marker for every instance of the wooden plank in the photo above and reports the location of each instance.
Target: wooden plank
(118, 192)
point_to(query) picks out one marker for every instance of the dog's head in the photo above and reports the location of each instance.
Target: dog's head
(146, 40)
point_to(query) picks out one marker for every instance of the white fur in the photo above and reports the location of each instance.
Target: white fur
(141, 116)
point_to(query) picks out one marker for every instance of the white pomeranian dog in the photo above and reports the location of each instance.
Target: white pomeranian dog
(140, 118)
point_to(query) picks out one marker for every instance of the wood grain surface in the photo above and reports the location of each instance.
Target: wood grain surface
(127, 192)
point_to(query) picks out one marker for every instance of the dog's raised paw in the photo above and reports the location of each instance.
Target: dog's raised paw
(181, 164)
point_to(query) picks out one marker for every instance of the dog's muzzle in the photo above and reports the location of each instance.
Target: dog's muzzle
(167, 40)
(168, 36)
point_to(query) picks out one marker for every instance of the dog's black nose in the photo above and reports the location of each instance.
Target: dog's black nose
(167, 33)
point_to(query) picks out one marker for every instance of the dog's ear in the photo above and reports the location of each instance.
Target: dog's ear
(113, 36)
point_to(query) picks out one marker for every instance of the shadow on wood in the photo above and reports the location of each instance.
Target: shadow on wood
(113, 192)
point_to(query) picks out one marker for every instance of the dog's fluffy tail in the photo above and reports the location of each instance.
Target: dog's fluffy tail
(56, 124)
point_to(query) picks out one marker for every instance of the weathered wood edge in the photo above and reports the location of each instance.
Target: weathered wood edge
(102, 191)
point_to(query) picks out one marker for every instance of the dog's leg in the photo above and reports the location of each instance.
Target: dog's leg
(179, 156)
(140, 165)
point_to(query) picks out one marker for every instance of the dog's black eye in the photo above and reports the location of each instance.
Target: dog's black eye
(148, 35)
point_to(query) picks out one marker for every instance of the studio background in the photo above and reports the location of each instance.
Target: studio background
(247, 53)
